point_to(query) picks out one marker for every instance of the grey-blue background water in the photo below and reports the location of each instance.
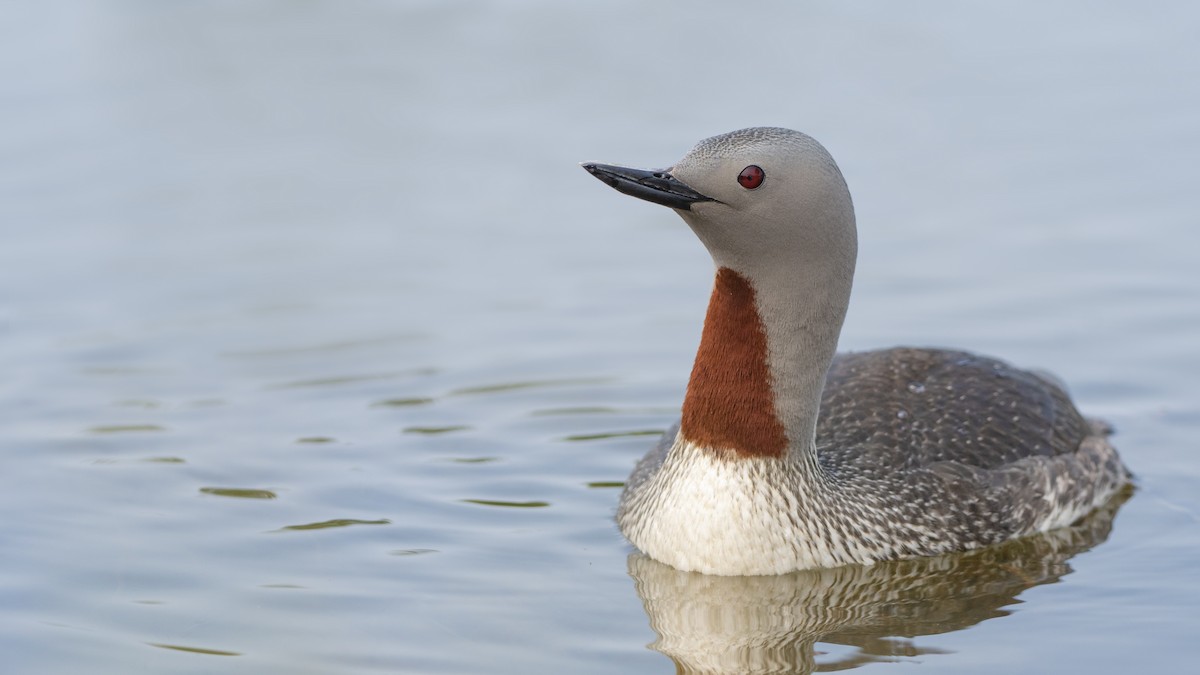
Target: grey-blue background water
(321, 354)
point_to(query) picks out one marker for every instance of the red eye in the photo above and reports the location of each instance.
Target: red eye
(751, 177)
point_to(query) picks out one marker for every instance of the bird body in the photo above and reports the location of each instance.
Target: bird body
(788, 456)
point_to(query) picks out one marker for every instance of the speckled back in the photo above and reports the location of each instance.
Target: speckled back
(939, 405)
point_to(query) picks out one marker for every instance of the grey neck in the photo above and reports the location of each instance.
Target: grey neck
(802, 310)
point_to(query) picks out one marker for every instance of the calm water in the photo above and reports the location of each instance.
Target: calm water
(322, 355)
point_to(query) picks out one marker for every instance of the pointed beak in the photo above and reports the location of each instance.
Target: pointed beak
(657, 186)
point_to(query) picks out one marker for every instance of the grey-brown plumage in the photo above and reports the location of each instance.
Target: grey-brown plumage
(922, 452)
(940, 405)
(967, 440)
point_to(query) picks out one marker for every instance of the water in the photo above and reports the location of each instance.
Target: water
(322, 355)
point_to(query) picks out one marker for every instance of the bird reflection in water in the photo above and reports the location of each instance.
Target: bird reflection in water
(772, 624)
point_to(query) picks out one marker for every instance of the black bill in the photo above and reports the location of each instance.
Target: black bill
(657, 186)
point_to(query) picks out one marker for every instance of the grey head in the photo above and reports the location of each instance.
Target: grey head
(795, 210)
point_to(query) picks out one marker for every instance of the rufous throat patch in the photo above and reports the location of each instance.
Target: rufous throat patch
(729, 403)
